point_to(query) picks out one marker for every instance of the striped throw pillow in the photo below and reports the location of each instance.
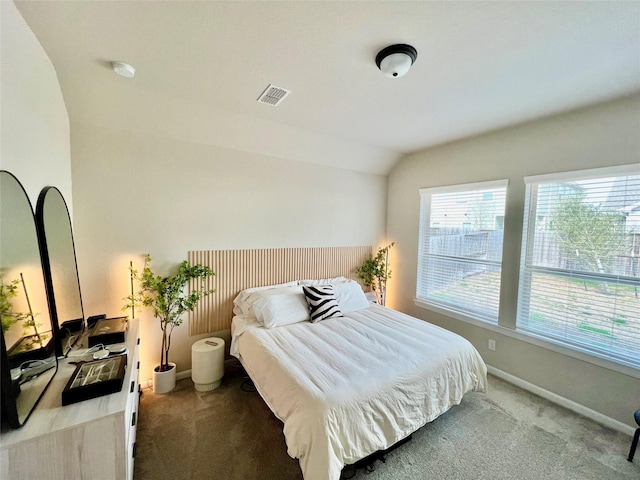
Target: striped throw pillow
(322, 302)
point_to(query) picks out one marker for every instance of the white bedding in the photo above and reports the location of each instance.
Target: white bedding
(347, 387)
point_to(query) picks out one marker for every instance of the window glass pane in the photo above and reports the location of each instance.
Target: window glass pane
(579, 282)
(460, 249)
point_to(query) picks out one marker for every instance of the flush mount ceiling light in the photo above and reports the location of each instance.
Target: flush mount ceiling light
(396, 60)
(123, 69)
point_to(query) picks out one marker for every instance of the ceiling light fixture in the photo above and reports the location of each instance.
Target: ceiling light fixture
(123, 69)
(396, 60)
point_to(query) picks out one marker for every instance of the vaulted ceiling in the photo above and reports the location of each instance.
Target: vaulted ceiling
(200, 66)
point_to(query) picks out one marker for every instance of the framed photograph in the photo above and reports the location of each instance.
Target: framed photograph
(95, 379)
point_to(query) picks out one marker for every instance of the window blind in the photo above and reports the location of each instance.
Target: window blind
(460, 248)
(579, 283)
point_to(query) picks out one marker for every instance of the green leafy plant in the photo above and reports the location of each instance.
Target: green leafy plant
(168, 299)
(8, 317)
(375, 272)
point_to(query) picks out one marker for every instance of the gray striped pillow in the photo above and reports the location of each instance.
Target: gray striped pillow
(322, 302)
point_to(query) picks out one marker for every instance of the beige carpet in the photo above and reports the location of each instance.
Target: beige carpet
(508, 434)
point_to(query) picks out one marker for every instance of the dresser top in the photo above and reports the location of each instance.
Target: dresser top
(51, 416)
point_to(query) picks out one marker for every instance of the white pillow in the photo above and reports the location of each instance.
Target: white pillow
(325, 281)
(242, 305)
(281, 309)
(350, 297)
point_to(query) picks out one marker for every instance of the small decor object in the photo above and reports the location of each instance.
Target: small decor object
(169, 301)
(322, 302)
(374, 272)
(95, 379)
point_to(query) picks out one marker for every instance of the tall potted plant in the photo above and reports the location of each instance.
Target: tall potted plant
(167, 297)
(374, 272)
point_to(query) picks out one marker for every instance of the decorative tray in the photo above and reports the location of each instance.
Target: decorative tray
(95, 378)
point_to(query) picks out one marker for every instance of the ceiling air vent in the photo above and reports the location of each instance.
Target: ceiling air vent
(273, 95)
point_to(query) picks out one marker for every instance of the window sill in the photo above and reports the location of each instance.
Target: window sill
(534, 340)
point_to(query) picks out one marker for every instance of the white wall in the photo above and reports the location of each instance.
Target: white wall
(605, 135)
(34, 130)
(135, 194)
(34, 125)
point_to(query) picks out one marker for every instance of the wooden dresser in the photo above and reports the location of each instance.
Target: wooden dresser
(90, 440)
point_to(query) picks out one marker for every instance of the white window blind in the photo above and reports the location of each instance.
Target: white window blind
(579, 283)
(460, 248)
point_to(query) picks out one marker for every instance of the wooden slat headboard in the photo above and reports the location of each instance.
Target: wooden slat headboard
(236, 270)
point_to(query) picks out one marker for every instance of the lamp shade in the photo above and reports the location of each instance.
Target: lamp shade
(396, 60)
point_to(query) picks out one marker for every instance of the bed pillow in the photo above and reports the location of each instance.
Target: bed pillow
(324, 281)
(281, 309)
(254, 297)
(241, 306)
(322, 302)
(350, 297)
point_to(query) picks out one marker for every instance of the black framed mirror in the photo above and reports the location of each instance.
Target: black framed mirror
(60, 268)
(27, 358)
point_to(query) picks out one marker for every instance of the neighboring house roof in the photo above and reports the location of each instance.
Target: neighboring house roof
(624, 195)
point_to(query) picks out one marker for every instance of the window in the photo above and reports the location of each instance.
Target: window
(579, 283)
(460, 248)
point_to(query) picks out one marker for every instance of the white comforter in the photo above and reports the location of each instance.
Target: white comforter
(347, 387)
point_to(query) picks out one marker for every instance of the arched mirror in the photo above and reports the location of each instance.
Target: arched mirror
(60, 267)
(28, 361)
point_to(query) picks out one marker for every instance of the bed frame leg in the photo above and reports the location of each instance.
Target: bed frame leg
(368, 462)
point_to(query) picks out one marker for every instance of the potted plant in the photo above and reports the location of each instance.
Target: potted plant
(374, 272)
(167, 297)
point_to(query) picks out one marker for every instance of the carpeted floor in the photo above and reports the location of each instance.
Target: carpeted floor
(507, 434)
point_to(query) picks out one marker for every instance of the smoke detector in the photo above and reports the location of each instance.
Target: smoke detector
(123, 69)
(273, 95)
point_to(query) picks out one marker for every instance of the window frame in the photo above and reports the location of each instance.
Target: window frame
(506, 325)
(424, 223)
(525, 270)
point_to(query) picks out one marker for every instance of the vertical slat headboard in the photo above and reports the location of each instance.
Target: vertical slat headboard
(236, 270)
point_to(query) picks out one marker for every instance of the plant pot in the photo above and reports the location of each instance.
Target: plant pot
(164, 382)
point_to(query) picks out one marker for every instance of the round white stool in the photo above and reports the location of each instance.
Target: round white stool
(207, 363)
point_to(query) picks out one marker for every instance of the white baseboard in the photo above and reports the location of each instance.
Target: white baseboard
(179, 376)
(563, 402)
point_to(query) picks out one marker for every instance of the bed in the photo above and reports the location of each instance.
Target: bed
(349, 386)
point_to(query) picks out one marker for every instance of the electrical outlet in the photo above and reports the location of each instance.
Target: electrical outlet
(492, 344)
